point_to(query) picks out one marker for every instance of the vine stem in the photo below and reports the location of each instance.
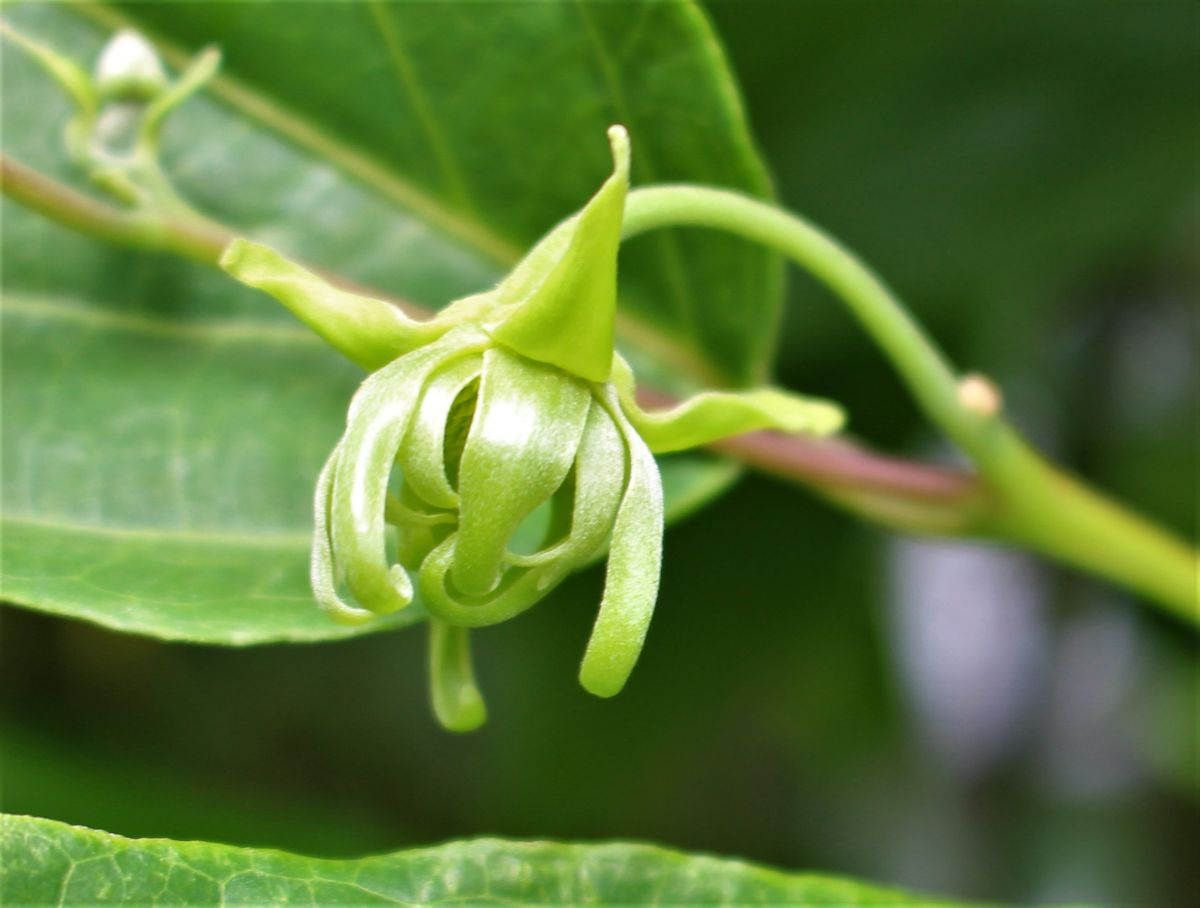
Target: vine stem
(901, 494)
(1018, 498)
(185, 235)
(193, 239)
(1031, 502)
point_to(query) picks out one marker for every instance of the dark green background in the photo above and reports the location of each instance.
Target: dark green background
(1025, 175)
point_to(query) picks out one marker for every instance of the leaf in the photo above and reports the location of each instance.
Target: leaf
(46, 862)
(489, 123)
(163, 427)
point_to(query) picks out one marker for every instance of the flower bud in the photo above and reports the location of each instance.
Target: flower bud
(460, 446)
(129, 69)
(501, 445)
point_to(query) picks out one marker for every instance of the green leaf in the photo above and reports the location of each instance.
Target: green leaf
(163, 428)
(52, 863)
(490, 128)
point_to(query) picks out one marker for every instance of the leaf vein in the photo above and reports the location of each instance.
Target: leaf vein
(407, 75)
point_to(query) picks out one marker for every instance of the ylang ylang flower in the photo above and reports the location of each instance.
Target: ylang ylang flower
(502, 442)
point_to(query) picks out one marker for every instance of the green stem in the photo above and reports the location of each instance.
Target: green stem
(903, 495)
(1025, 500)
(197, 240)
(1032, 502)
(179, 231)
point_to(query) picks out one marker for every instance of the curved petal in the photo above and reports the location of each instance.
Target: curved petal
(519, 589)
(713, 415)
(599, 485)
(631, 580)
(379, 417)
(423, 456)
(600, 468)
(322, 568)
(418, 532)
(399, 514)
(528, 422)
(457, 702)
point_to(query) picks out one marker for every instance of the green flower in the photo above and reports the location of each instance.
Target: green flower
(509, 410)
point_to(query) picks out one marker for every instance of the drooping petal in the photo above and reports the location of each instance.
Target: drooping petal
(418, 531)
(713, 415)
(519, 589)
(397, 513)
(599, 485)
(528, 422)
(568, 318)
(457, 702)
(631, 580)
(368, 331)
(600, 482)
(422, 457)
(323, 568)
(379, 417)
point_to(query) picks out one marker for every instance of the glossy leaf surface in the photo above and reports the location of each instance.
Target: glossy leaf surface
(163, 427)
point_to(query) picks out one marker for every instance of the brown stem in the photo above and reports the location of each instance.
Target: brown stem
(903, 494)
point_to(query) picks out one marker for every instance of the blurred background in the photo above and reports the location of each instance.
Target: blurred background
(815, 693)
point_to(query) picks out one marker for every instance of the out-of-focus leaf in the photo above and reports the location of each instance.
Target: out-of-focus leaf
(55, 774)
(986, 160)
(49, 862)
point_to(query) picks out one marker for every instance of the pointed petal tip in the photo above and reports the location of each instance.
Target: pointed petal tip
(618, 140)
(816, 417)
(402, 584)
(829, 421)
(233, 253)
(567, 318)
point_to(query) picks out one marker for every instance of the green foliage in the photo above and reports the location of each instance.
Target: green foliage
(52, 862)
(1017, 188)
(212, 412)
